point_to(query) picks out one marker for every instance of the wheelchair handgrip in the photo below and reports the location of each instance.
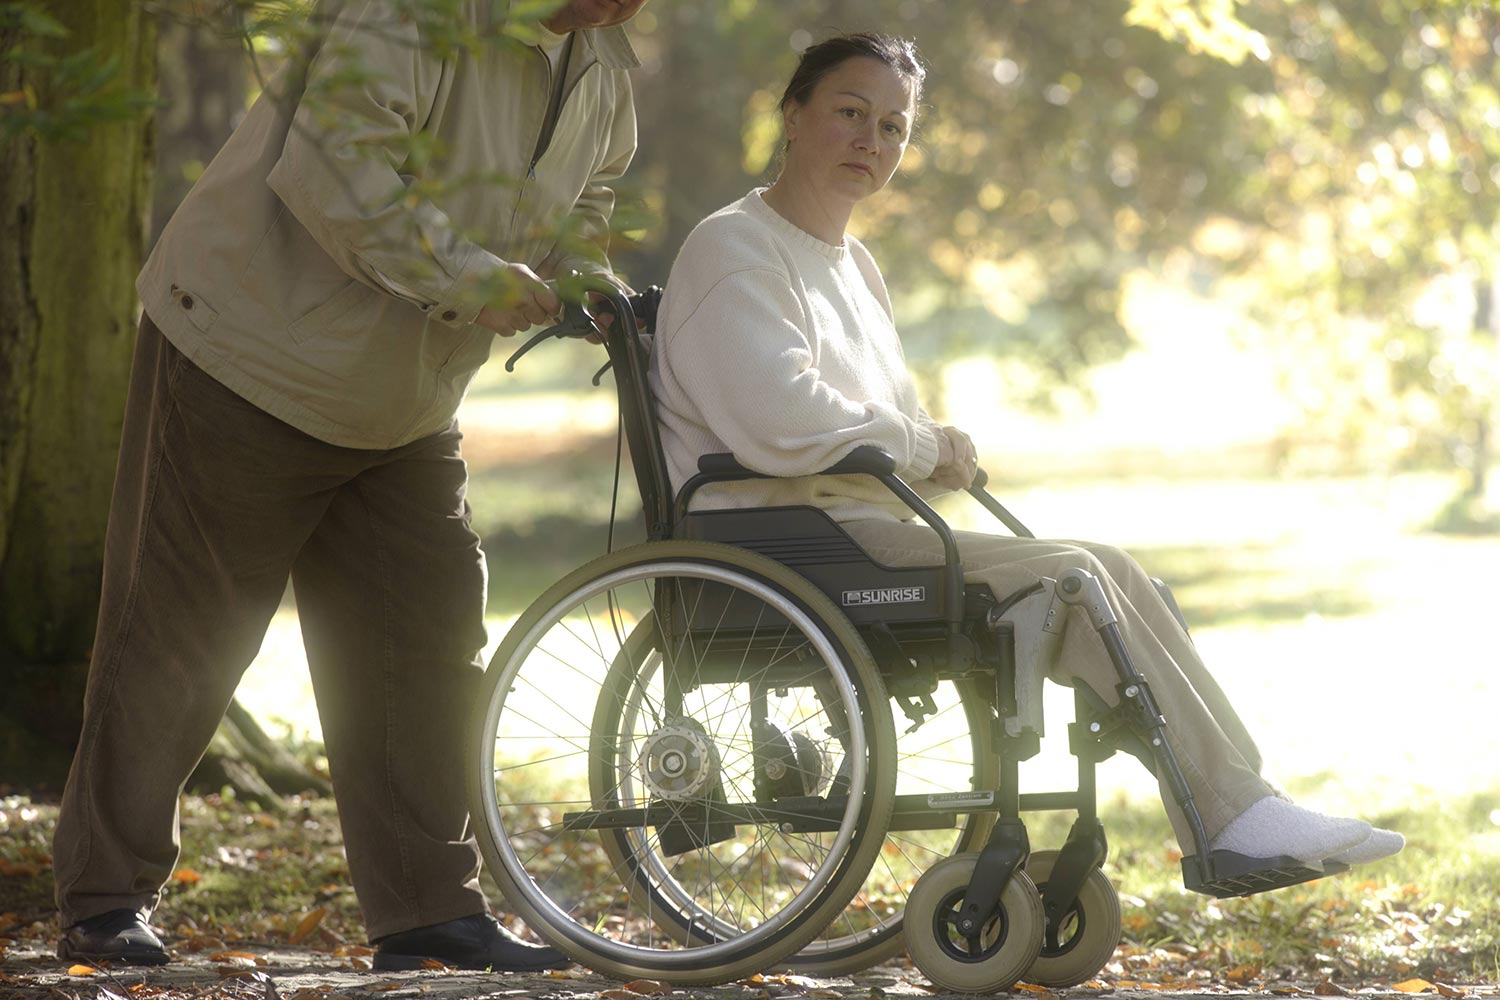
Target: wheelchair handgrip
(864, 459)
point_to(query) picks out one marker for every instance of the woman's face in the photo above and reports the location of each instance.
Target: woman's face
(848, 139)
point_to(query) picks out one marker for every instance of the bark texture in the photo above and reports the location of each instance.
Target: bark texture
(73, 219)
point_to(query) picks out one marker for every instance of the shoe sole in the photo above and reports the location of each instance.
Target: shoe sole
(67, 954)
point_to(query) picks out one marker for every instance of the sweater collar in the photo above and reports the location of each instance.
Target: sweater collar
(790, 232)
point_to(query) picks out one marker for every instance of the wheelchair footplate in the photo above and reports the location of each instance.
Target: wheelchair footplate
(1229, 874)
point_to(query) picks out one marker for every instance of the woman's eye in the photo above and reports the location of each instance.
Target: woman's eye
(849, 112)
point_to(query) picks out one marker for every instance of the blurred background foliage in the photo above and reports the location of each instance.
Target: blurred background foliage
(1336, 161)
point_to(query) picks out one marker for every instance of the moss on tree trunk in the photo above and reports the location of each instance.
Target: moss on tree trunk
(73, 222)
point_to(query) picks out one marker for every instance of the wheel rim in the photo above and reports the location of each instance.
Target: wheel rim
(596, 616)
(955, 944)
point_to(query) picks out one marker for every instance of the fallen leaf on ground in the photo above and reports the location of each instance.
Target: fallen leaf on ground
(186, 876)
(1243, 973)
(1329, 988)
(1450, 991)
(432, 963)
(204, 943)
(81, 970)
(308, 924)
(1415, 986)
(647, 987)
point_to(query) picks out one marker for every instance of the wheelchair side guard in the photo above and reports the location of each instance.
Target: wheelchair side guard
(1036, 648)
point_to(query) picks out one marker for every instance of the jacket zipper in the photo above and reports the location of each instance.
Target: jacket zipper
(544, 134)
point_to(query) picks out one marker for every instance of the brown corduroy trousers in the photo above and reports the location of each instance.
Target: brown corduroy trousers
(216, 504)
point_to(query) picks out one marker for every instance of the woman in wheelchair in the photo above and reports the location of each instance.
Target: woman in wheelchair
(775, 343)
(688, 765)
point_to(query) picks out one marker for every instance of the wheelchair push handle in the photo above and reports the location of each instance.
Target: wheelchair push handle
(580, 316)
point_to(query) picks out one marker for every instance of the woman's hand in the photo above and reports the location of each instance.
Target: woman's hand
(529, 302)
(957, 460)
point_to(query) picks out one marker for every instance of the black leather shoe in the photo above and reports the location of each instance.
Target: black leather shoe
(477, 942)
(117, 936)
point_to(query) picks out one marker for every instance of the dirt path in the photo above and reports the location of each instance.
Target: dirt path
(255, 973)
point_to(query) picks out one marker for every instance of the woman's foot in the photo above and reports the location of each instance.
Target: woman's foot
(1379, 844)
(1274, 827)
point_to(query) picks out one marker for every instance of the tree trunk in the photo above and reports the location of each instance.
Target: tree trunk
(72, 232)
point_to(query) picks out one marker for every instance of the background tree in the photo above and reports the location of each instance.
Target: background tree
(1376, 203)
(72, 229)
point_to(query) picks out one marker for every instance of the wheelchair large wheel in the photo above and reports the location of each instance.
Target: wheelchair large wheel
(742, 790)
(989, 962)
(1075, 950)
(950, 754)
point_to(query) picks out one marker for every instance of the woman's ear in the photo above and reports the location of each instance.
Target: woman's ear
(789, 120)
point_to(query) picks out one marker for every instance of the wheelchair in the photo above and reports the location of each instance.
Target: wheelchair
(744, 744)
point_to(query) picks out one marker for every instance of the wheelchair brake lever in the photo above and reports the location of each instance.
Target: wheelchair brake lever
(510, 362)
(599, 375)
(576, 321)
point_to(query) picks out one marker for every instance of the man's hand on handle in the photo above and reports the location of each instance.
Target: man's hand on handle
(530, 302)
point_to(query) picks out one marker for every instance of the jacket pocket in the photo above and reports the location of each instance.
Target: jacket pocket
(198, 312)
(317, 320)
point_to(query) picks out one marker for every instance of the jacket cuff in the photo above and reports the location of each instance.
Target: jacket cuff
(461, 302)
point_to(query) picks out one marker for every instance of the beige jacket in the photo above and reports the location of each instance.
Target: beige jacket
(329, 264)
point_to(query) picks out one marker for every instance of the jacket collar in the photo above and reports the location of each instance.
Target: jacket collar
(611, 46)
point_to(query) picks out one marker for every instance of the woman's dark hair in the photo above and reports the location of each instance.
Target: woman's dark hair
(900, 54)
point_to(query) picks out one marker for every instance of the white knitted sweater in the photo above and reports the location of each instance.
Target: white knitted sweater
(780, 348)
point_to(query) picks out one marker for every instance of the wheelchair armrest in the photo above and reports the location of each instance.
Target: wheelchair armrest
(864, 459)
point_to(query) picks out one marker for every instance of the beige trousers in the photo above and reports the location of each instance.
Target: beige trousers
(215, 505)
(1217, 756)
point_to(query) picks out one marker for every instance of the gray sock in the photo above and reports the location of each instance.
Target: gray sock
(1274, 827)
(1379, 844)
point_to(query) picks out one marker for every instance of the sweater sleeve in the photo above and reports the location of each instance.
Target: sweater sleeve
(744, 359)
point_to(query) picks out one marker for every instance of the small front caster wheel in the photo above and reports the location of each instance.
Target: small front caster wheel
(987, 962)
(1085, 939)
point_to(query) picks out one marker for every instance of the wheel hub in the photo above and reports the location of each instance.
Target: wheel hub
(679, 762)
